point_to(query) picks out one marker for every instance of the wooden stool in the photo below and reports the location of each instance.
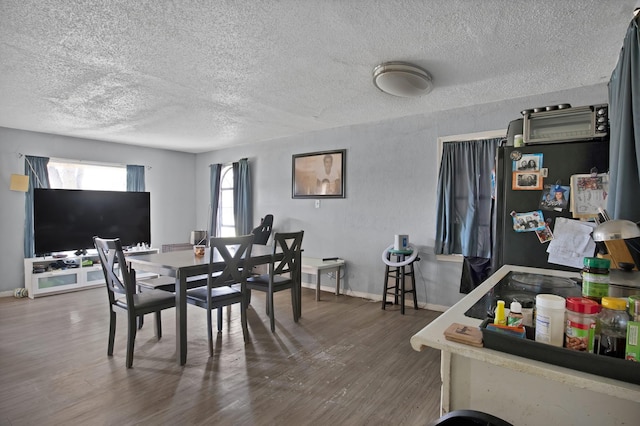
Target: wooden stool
(399, 275)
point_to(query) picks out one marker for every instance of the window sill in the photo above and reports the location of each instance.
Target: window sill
(457, 258)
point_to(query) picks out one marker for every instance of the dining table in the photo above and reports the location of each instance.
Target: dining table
(184, 264)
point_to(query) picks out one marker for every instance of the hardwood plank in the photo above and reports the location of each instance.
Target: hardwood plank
(345, 362)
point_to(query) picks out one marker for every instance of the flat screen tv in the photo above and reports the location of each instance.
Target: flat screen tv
(68, 219)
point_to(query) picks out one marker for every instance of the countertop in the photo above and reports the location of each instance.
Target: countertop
(432, 336)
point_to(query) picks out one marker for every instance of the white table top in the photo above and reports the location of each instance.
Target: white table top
(317, 263)
(433, 336)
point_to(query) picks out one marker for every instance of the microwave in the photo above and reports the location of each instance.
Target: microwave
(567, 124)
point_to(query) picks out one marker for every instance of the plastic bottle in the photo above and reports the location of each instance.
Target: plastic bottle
(550, 319)
(611, 327)
(581, 323)
(634, 308)
(499, 314)
(527, 310)
(515, 317)
(595, 278)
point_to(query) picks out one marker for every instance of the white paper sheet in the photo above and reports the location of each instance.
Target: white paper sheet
(571, 242)
(588, 193)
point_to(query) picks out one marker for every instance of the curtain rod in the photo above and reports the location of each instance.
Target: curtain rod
(97, 163)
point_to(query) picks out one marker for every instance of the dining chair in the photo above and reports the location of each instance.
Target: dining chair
(263, 231)
(227, 286)
(121, 289)
(282, 275)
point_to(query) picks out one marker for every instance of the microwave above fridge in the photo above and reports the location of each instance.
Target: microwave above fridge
(568, 124)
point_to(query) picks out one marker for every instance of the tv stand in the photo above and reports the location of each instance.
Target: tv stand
(49, 275)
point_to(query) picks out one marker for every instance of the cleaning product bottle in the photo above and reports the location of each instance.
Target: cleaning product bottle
(499, 314)
(515, 317)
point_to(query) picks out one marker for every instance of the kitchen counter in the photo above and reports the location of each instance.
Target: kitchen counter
(520, 390)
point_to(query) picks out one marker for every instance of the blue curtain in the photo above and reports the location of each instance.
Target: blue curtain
(36, 169)
(624, 117)
(135, 178)
(242, 197)
(214, 185)
(463, 212)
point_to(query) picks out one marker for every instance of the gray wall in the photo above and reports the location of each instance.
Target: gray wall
(390, 178)
(170, 180)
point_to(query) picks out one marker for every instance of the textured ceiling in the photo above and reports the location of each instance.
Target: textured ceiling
(195, 76)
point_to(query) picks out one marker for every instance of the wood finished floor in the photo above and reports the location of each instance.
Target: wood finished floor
(347, 362)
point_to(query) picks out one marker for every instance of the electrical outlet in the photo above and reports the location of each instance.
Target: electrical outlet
(317, 204)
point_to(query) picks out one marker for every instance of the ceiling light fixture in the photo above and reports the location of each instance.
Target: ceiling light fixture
(402, 79)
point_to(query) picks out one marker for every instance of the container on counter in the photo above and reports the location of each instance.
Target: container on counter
(527, 310)
(500, 317)
(595, 278)
(611, 328)
(550, 313)
(581, 323)
(632, 349)
(518, 141)
(634, 308)
(515, 318)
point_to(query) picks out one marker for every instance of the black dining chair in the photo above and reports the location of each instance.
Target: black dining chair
(227, 286)
(263, 231)
(469, 418)
(282, 275)
(121, 290)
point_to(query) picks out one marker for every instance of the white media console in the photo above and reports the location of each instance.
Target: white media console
(73, 272)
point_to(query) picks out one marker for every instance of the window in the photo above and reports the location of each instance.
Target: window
(65, 174)
(226, 221)
(463, 215)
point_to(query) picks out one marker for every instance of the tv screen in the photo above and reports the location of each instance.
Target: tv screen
(68, 219)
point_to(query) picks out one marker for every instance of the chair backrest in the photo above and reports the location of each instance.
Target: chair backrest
(233, 250)
(263, 231)
(469, 418)
(117, 274)
(290, 243)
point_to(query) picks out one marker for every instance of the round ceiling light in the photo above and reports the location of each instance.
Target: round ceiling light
(402, 79)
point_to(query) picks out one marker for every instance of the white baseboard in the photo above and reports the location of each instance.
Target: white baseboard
(6, 293)
(375, 297)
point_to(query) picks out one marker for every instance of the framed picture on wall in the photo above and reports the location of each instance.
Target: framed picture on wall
(318, 174)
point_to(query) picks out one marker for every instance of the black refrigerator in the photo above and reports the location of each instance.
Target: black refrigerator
(561, 161)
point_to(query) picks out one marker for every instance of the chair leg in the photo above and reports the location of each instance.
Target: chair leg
(402, 289)
(158, 325)
(385, 287)
(219, 319)
(243, 320)
(396, 293)
(131, 338)
(271, 315)
(112, 332)
(413, 284)
(210, 331)
(294, 303)
(141, 317)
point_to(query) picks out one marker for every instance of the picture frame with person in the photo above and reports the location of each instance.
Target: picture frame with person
(528, 163)
(318, 174)
(526, 181)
